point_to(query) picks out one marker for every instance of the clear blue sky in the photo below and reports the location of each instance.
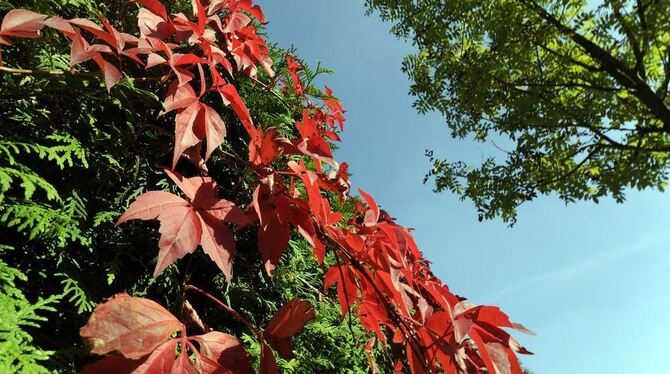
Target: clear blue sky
(591, 280)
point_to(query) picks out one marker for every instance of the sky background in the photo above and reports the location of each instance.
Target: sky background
(590, 280)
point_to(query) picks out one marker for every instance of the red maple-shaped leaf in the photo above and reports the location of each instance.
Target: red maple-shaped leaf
(196, 122)
(276, 212)
(131, 326)
(287, 322)
(21, 23)
(140, 330)
(199, 219)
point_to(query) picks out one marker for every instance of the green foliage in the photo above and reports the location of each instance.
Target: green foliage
(66, 152)
(572, 95)
(17, 352)
(59, 225)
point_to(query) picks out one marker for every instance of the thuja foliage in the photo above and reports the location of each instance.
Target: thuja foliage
(131, 126)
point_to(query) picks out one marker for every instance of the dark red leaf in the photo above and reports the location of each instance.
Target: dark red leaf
(226, 350)
(268, 362)
(131, 326)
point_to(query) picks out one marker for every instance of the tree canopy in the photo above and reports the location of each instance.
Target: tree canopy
(572, 95)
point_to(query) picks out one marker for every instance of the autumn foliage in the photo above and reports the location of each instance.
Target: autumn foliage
(380, 276)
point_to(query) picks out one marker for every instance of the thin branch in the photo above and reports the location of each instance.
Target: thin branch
(630, 34)
(228, 309)
(574, 169)
(64, 73)
(272, 91)
(614, 67)
(637, 148)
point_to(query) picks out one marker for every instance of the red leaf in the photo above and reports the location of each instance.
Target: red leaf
(483, 352)
(181, 231)
(272, 241)
(415, 364)
(185, 124)
(112, 364)
(225, 210)
(63, 26)
(179, 97)
(192, 186)
(215, 130)
(372, 215)
(290, 319)
(153, 25)
(161, 360)
(192, 318)
(347, 289)
(265, 148)
(108, 37)
(293, 68)
(202, 16)
(81, 51)
(21, 23)
(236, 21)
(254, 10)
(145, 329)
(268, 363)
(194, 123)
(150, 205)
(185, 224)
(226, 350)
(218, 243)
(231, 97)
(155, 6)
(132, 326)
(112, 73)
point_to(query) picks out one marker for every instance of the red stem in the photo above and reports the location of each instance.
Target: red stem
(225, 307)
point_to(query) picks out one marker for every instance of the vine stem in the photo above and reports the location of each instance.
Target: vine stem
(63, 73)
(228, 309)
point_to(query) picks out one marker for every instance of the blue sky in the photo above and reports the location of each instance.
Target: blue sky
(590, 280)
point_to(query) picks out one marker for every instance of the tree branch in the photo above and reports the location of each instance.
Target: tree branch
(617, 69)
(225, 307)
